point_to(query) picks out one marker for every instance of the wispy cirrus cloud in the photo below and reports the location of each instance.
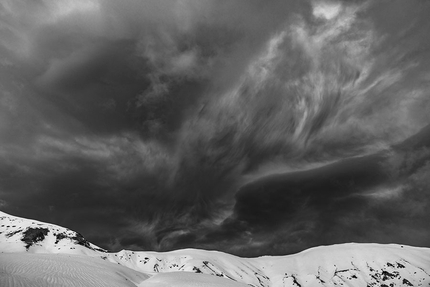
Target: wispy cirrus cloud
(153, 114)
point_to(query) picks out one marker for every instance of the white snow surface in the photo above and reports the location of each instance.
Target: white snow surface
(57, 240)
(188, 279)
(46, 270)
(64, 258)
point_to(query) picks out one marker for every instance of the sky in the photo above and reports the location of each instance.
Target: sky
(249, 127)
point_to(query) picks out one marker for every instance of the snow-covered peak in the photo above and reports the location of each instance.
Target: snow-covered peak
(343, 264)
(19, 235)
(349, 264)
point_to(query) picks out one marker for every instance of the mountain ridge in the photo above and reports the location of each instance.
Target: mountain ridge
(352, 264)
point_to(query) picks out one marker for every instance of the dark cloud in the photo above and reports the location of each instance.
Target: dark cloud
(377, 198)
(232, 125)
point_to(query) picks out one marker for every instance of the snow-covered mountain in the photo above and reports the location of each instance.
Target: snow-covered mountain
(20, 235)
(344, 264)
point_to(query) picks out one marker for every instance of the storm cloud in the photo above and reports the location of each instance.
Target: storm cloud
(242, 126)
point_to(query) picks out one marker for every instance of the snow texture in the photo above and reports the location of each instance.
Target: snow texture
(65, 258)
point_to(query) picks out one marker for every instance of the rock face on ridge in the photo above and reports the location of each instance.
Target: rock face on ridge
(20, 234)
(350, 264)
(344, 264)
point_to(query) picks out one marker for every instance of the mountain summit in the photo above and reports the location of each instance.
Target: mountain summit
(34, 253)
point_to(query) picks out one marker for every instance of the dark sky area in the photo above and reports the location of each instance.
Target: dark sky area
(250, 127)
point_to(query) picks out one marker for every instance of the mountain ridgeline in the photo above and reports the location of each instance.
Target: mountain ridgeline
(343, 264)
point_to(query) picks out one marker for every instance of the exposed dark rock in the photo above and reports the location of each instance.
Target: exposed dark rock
(197, 270)
(10, 234)
(295, 281)
(387, 275)
(79, 239)
(34, 235)
(59, 236)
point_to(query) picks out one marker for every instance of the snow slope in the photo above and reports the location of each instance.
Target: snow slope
(45, 270)
(188, 279)
(344, 264)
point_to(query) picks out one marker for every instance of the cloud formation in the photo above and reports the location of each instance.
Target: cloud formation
(157, 118)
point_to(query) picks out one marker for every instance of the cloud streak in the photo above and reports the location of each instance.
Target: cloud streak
(155, 116)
